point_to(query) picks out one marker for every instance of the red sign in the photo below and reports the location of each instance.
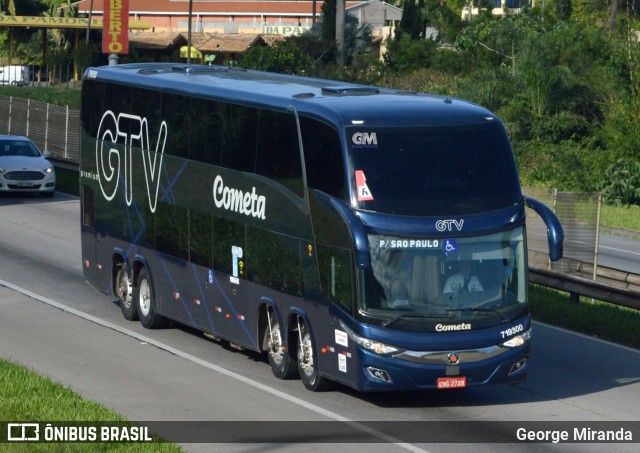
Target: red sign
(115, 27)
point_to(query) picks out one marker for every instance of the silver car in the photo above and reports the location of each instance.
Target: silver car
(23, 168)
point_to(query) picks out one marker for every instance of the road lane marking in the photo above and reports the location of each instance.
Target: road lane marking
(217, 368)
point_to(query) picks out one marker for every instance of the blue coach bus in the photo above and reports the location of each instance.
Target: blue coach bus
(360, 235)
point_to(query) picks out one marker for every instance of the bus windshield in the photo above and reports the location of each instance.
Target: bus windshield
(415, 283)
(420, 171)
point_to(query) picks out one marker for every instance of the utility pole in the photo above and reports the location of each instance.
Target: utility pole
(340, 12)
(189, 33)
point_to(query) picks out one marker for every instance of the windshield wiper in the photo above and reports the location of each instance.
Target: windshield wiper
(415, 316)
(479, 309)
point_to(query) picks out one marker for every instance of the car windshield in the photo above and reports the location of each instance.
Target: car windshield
(433, 170)
(415, 283)
(18, 148)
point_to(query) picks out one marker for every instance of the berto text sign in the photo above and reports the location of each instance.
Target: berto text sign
(115, 27)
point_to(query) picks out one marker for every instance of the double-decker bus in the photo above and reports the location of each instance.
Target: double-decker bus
(361, 235)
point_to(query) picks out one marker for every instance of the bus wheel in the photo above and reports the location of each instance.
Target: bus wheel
(124, 292)
(306, 361)
(283, 365)
(143, 297)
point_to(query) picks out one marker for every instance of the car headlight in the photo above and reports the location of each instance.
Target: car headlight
(371, 345)
(48, 170)
(518, 340)
(2, 170)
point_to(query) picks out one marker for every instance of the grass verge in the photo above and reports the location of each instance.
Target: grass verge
(60, 96)
(594, 318)
(27, 396)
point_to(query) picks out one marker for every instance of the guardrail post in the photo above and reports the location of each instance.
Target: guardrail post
(46, 129)
(10, 109)
(596, 253)
(28, 115)
(66, 133)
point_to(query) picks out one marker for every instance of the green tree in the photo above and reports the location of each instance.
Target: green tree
(563, 9)
(329, 21)
(412, 22)
(621, 185)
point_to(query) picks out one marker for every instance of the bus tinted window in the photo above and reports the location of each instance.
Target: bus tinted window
(278, 155)
(206, 131)
(239, 125)
(323, 157)
(176, 111)
(92, 106)
(434, 170)
(172, 230)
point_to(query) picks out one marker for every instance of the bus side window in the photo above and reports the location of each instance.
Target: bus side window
(239, 128)
(172, 235)
(323, 158)
(176, 111)
(336, 276)
(278, 151)
(205, 138)
(201, 238)
(92, 106)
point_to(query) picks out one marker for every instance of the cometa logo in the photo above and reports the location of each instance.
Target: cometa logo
(245, 203)
(452, 327)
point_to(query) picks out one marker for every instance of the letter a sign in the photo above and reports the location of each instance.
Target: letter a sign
(115, 27)
(364, 194)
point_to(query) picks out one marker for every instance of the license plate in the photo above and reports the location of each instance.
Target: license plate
(452, 382)
(24, 184)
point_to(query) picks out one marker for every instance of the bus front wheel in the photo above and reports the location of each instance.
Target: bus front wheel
(283, 365)
(145, 303)
(307, 363)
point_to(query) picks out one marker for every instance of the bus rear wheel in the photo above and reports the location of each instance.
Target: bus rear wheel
(124, 292)
(306, 362)
(283, 365)
(145, 303)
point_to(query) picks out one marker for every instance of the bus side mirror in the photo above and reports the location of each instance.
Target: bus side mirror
(555, 234)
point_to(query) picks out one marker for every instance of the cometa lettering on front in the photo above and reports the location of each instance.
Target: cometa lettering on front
(245, 203)
(452, 327)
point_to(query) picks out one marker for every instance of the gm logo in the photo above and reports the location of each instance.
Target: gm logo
(364, 139)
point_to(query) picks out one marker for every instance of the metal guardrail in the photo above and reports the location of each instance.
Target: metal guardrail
(584, 287)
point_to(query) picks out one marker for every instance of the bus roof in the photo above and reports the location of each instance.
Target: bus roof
(341, 102)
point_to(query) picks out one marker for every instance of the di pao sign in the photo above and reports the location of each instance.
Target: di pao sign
(115, 27)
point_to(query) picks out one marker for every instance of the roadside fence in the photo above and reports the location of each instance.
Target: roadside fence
(50, 127)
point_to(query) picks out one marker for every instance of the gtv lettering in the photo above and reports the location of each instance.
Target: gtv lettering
(112, 131)
(447, 225)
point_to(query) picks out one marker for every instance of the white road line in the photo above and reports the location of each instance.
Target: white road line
(217, 368)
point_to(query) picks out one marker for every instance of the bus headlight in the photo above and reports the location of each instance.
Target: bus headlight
(371, 345)
(518, 340)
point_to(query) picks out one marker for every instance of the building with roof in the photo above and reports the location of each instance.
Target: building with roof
(205, 47)
(280, 17)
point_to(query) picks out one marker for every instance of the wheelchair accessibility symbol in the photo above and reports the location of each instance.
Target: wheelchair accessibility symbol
(450, 246)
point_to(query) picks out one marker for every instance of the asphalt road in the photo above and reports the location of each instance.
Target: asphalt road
(53, 322)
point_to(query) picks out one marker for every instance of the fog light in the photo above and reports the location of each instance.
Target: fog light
(50, 184)
(379, 374)
(517, 366)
